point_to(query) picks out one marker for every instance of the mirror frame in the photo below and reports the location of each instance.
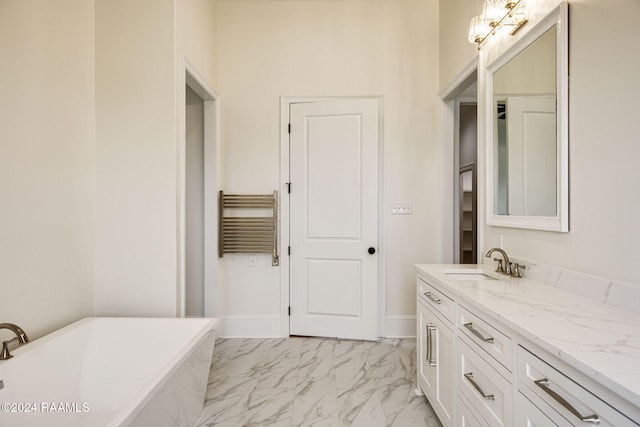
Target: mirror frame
(558, 17)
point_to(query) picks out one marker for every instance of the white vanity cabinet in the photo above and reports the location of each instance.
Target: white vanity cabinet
(478, 372)
(435, 348)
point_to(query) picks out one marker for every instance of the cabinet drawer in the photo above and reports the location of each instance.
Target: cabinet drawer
(488, 338)
(466, 416)
(529, 415)
(565, 394)
(437, 300)
(485, 388)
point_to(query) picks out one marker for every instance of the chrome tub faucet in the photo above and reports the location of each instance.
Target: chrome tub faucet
(21, 337)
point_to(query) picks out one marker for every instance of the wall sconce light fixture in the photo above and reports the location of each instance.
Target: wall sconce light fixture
(497, 14)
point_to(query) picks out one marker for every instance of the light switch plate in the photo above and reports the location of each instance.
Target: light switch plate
(253, 260)
(404, 208)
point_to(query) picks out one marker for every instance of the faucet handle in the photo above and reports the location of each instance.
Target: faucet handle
(516, 270)
(500, 269)
(5, 355)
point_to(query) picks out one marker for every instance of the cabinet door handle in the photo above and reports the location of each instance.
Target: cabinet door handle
(430, 359)
(469, 377)
(432, 298)
(477, 333)
(544, 385)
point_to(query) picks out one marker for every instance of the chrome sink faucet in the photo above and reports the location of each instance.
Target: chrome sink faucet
(505, 257)
(21, 337)
(509, 269)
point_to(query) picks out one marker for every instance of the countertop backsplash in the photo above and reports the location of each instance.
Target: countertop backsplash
(617, 294)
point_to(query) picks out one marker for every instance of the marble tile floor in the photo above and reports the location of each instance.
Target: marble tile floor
(300, 381)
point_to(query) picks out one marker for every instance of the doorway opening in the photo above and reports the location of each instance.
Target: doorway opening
(467, 181)
(199, 235)
(460, 195)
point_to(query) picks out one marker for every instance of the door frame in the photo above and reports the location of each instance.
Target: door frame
(448, 111)
(211, 171)
(285, 103)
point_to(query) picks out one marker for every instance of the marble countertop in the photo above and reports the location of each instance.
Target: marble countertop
(599, 340)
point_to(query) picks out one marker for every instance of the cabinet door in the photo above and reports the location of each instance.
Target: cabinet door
(445, 363)
(436, 363)
(426, 372)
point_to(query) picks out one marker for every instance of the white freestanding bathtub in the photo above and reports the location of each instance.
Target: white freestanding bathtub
(148, 372)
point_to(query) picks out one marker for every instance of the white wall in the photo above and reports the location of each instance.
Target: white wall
(196, 51)
(46, 163)
(141, 51)
(455, 51)
(268, 49)
(196, 30)
(603, 149)
(135, 138)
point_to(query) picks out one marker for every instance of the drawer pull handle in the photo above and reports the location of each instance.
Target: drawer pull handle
(432, 298)
(544, 385)
(475, 385)
(475, 332)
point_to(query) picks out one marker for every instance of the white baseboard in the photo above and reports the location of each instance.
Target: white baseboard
(397, 326)
(250, 327)
(400, 326)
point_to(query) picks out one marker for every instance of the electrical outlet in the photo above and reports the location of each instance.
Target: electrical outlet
(253, 260)
(405, 208)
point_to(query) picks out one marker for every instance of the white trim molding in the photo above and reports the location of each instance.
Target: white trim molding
(250, 327)
(189, 76)
(447, 136)
(400, 326)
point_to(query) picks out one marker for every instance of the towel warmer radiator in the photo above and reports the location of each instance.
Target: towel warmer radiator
(248, 234)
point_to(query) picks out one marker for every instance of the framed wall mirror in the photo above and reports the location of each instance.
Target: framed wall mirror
(527, 129)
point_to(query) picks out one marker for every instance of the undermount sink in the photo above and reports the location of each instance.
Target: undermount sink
(467, 274)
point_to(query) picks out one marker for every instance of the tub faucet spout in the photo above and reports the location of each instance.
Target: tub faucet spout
(507, 263)
(21, 337)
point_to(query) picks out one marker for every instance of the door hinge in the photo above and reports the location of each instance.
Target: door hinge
(289, 187)
(289, 128)
(288, 250)
(289, 310)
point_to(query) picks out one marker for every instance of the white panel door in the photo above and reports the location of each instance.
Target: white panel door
(333, 218)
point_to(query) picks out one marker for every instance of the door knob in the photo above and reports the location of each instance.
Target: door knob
(372, 250)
